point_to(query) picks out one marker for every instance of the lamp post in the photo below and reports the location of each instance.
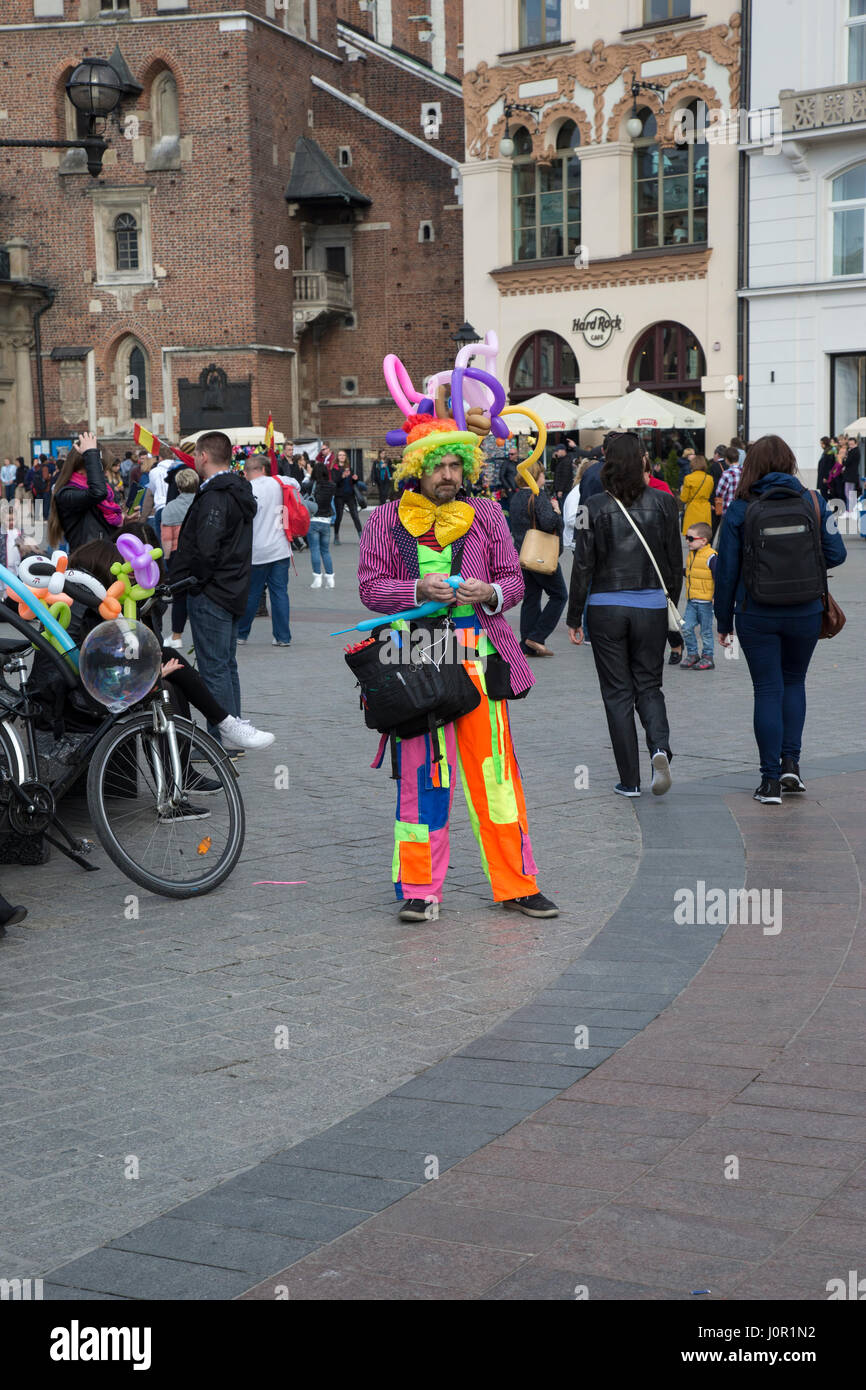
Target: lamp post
(95, 88)
(465, 335)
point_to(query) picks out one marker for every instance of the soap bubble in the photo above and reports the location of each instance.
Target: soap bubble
(119, 662)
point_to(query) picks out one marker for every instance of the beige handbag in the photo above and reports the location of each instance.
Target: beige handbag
(540, 549)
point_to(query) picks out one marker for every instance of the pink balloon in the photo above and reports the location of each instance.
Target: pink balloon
(399, 383)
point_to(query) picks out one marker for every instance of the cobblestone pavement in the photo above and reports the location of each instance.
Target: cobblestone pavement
(155, 1039)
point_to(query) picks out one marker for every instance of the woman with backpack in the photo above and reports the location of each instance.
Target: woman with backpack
(775, 546)
(319, 534)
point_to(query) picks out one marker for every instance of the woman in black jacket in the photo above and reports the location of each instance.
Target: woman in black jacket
(83, 507)
(537, 625)
(319, 534)
(629, 607)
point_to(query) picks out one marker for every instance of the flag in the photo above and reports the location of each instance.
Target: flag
(269, 445)
(153, 445)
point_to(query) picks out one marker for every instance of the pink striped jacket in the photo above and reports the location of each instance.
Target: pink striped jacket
(388, 569)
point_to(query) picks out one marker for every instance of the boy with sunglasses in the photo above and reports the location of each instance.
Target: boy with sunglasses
(700, 587)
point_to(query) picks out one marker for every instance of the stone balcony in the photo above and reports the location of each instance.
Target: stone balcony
(823, 108)
(320, 295)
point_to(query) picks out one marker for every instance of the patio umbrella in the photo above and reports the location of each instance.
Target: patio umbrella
(242, 434)
(556, 413)
(640, 410)
(858, 427)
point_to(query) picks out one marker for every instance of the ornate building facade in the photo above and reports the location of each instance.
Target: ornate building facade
(601, 223)
(278, 209)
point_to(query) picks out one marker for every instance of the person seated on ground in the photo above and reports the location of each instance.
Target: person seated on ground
(76, 709)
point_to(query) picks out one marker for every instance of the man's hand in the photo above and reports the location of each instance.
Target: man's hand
(476, 591)
(726, 638)
(576, 636)
(85, 441)
(433, 586)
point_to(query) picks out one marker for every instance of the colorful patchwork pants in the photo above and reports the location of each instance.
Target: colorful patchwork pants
(479, 744)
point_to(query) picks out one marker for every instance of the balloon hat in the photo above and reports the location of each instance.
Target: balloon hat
(524, 467)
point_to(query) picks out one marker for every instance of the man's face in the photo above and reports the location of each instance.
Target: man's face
(512, 454)
(445, 481)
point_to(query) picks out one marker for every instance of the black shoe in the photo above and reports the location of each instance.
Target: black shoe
(536, 905)
(622, 790)
(16, 915)
(417, 910)
(202, 786)
(183, 811)
(791, 779)
(769, 792)
(675, 657)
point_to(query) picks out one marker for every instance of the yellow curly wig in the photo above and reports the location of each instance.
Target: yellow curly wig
(430, 441)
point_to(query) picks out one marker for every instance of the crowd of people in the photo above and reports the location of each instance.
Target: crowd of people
(222, 525)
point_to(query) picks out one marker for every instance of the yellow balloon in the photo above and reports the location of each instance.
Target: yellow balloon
(523, 468)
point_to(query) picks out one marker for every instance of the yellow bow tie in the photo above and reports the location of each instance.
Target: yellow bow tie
(450, 521)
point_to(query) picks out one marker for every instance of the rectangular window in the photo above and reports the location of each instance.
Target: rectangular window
(848, 203)
(540, 22)
(654, 11)
(856, 27)
(847, 390)
(47, 9)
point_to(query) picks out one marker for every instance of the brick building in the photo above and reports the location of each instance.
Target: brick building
(280, 207)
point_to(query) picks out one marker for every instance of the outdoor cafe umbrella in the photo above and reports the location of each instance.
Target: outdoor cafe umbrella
(556, 413)
(638, 410)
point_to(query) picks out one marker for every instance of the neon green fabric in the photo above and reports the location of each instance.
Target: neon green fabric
(439, 562)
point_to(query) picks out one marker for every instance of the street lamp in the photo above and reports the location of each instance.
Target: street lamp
(465, 335)
(634, 124)
(506, 144)
(95, 88)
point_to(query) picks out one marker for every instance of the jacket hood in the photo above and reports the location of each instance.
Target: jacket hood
(771, 480)
(242, 493)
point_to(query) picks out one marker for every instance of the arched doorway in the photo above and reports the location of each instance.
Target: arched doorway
(543, 362)
(668, 361)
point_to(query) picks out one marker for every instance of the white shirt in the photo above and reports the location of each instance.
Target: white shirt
(157, 482)
(270, 541)
(570, 509)
(8, 473)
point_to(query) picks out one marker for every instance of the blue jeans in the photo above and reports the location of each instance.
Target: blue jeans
(276, 576)
(698, 611)
(319, 539)
(215, 635)
(778, 651)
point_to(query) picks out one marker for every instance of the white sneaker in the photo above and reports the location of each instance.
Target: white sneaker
(661, 773)
(317, 582)
(240, 733)
(176, 642)
(329, 581)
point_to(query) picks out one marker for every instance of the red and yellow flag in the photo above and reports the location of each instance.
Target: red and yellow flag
(153, 445)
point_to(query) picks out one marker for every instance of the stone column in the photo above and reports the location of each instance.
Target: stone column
(25, 419)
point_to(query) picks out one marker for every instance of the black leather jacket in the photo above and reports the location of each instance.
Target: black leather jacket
(609, 556)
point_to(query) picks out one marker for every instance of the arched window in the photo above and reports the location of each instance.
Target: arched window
(546, 197)
(137, 384)
(125, 242)
(165, 117)
(668, 361)
(670, 184)
(848, 206)
(544, 362)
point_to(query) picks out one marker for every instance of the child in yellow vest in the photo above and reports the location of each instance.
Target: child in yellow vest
(700, 585)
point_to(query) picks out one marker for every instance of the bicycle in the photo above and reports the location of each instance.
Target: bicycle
(139, 770)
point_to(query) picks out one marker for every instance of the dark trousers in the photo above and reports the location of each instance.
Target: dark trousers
(628, 646)
(536, 624)
(778, 652)
(215, 635)
(349, 504)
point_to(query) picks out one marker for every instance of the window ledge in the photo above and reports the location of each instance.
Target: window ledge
(561, 262)
(656, 26)
(536, 50)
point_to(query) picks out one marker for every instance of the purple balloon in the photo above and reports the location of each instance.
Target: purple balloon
(396, 438)
(496, 387)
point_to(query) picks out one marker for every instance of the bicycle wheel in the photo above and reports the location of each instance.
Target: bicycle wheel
(178, 849)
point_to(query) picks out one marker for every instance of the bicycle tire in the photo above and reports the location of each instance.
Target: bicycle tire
(222, 769)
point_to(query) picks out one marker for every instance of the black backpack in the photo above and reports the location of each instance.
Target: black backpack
(783, 560)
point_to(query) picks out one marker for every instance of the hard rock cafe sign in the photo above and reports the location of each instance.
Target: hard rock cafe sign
(597, 327)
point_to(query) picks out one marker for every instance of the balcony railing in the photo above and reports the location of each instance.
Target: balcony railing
(325, 290)
(823, 107)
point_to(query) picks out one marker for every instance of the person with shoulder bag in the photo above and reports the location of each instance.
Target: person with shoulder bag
(628, 558)
(536, 528)
(776, 543)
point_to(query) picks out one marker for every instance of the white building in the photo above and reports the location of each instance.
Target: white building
(805, 282)
(600, 244)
